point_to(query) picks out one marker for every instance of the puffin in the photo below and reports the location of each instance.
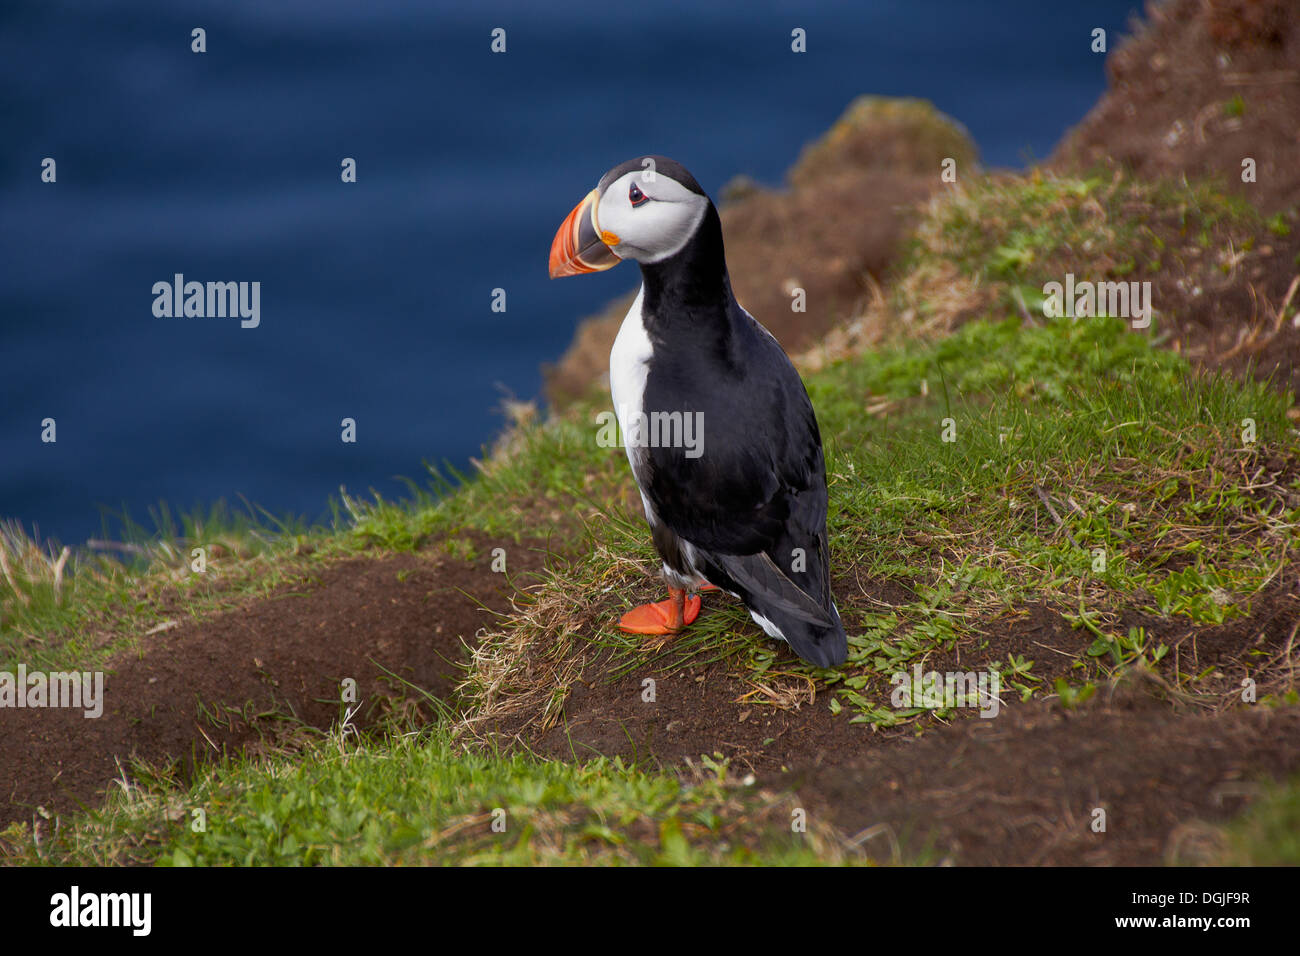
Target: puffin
(717, 425)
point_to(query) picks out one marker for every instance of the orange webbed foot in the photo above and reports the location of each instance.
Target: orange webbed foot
(663, 617)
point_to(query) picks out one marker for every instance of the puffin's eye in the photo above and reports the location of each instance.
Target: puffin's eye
(636, 196)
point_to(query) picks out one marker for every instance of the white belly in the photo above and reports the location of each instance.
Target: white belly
(627, 374)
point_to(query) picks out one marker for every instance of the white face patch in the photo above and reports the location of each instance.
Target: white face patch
(658, 225)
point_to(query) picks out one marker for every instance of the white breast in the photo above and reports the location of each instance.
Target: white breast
(627, 374)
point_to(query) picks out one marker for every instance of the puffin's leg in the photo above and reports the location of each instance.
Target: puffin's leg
(665, 617)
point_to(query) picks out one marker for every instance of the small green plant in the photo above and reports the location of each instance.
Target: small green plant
(1072, 697)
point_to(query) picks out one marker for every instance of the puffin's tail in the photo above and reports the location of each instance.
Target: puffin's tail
(812, 629)
(825, 646)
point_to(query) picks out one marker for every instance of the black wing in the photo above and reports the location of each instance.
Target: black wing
(759, 482)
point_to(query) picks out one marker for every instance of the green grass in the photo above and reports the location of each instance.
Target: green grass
(1008, 235)
(417, 799)
(1268, 834)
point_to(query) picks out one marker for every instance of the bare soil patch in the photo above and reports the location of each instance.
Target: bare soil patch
(1024, 789)
(1236, 315)
(1202, 85)
(224, 683)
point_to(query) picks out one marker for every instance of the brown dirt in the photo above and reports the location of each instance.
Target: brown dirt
(1172, 110)
(1022, 789)
(1167, 110)
(253, 667)
(1234, 320)
(1018, 788)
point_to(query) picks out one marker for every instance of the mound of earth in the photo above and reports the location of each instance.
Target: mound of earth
(1202, 86)
(1026, 789)
(267, 669)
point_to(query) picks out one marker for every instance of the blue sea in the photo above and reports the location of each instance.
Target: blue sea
(376, 296)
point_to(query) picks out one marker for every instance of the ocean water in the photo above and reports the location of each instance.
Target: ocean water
(376, 296)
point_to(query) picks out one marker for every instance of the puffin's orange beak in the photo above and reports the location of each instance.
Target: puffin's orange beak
(580, 246)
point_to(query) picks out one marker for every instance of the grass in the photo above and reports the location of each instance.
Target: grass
(981, 458)
(61, 607)
(415, 798)
(1145, 457)
(64, 607)
(1268, 834)
(992, 245)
